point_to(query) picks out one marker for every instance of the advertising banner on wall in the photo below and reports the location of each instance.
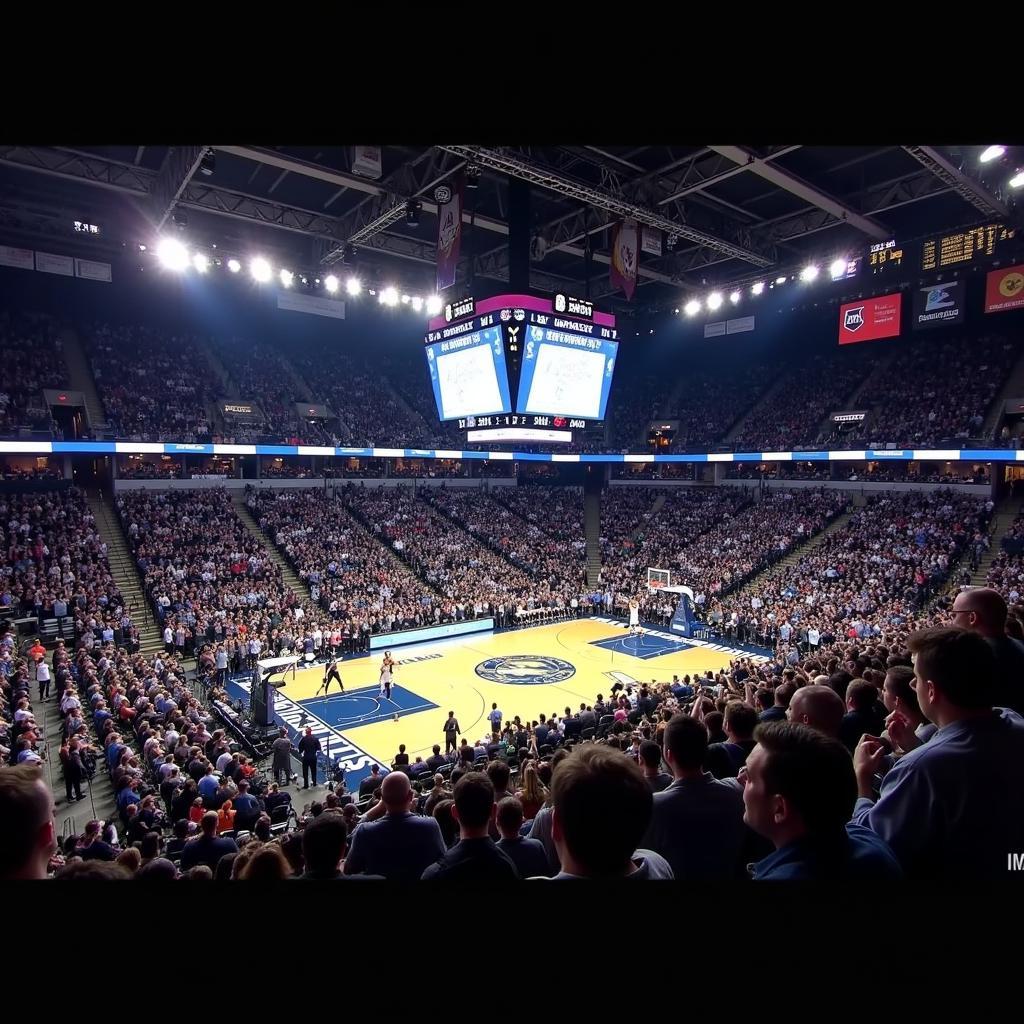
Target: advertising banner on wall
(870, 319)
(1004, 289)
(936, 305)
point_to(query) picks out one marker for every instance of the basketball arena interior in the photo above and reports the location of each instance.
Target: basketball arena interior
(480, 514)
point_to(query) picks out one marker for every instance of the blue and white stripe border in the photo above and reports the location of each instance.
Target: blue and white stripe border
(175, 448)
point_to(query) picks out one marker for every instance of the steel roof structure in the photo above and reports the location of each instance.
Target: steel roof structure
(726, 214)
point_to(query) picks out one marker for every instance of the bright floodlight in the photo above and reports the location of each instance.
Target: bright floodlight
(353, 286)
(780, 280)
(172, 254)
(286, 278)
(331, 283)
(992, 153)
(714, 300)
(406, 299)
(201, 262)
(234, 266)
(1017, 181)
(417, 303)
(809, 273)
(260, 269)
(734, 298)
(389, 296)
(434, 305)
(837, 269)
(692, 307)
(758, 288)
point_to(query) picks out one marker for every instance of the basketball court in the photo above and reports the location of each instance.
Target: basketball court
(526, 672)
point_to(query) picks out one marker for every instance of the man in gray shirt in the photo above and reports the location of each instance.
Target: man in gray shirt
(952, 808)
(697, 822)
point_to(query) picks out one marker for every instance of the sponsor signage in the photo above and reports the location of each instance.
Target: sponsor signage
(573, 306)
(1004, 289)
(317, 305)
(650, 240)
(460, 309)
(938, 304)
(92, 270)
(23, 259)
(870, 319)
(239, 410)
(50, 263)
(848, 417)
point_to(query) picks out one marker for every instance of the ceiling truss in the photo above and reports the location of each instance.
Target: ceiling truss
(677, 198)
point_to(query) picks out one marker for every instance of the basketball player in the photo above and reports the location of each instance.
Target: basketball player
(386, 670)
(634, 617)
(331, 672)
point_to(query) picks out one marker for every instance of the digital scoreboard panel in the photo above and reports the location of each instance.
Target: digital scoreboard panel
(884, 256)
(565, 373)
(468, 375)
(962, 247)
(551, 380)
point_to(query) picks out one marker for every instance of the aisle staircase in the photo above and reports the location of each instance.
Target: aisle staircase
(1012, 388)
(592, 534)
(794, 556)
(766, 399)
(1006, 511)
(227, 386)
(287, 572)
(124, 571)
(80, 377)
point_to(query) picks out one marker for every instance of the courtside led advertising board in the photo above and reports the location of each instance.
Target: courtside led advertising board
(870, 319)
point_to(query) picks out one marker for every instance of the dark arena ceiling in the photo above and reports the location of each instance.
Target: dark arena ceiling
(724, 214)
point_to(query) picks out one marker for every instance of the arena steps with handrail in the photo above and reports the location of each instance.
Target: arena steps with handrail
(125, 572)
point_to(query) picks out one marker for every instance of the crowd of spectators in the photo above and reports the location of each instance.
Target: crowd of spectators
(142, 469)
(210, 580)
(826, 760)
(954, 384)
(517, 539)
(722, 558)
(715, 398)
(369, 413)
(872, 575)
(363, 589)
(261, 374)
(155, 385)
(875, 472)
(47, 471)
(22, 737)
(634, 403)
(555, 511)
(869, 759)
(53, 565)
(31, 356)
(635, 538)
(467, 572)
(813, 388)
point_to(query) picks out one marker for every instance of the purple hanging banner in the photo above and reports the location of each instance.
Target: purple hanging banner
(449, 230)
(625, 254)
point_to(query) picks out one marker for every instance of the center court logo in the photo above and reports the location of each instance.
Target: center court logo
(526, 670)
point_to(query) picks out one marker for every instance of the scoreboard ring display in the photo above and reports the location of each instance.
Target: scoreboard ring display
(520, 367)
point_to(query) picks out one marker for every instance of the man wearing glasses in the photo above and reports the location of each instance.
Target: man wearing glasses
(983, 611)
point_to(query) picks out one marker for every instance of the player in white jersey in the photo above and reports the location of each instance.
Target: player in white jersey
(386, 673)
(634, 617)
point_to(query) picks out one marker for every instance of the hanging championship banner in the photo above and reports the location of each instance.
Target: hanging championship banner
(449, 231)
(625, 256)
